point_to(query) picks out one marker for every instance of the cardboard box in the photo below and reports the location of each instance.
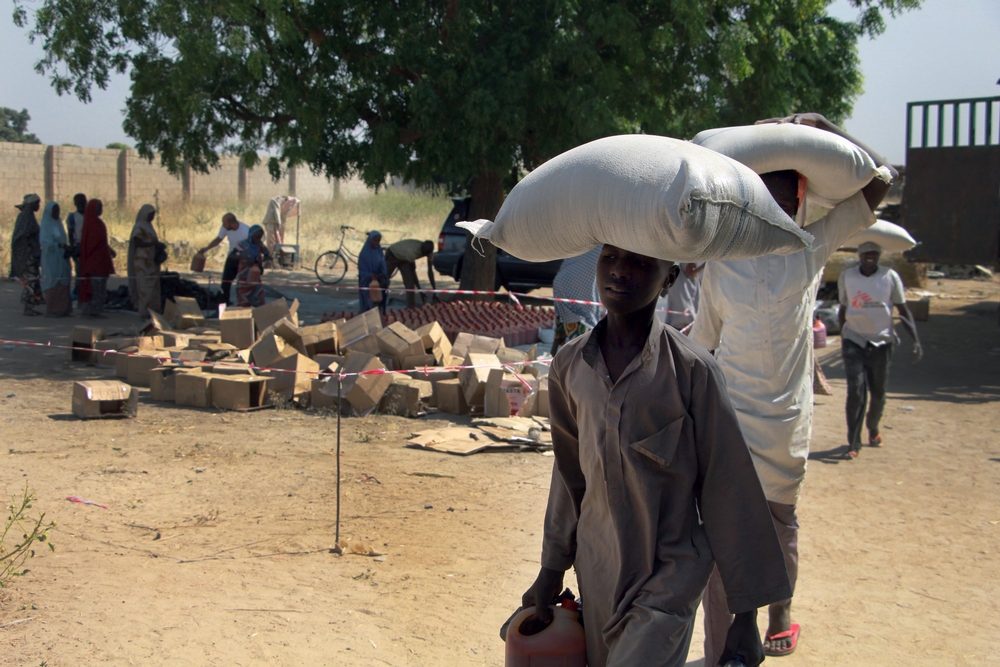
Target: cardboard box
(290, 333)
(267, 349)
(293, 375)
(139, 366)
(158, 323)
(320, 400)
(85, 337)
(512, 356)
(402, 398)
(364, 345)
(920, 309)
(193, 389)
(434, 376)
(183, 312)
(173, 339)
(98, 399)
(186, 355)
(121, 361)
(418, 361)
(237, 327)
(362, 392)
(505, 394)
(266, 315)
(356, 328)
(163, 379)
(436, 342)
(241, 392)
(329, 362)
(389, 362)
(450, 397)
(231, 367)
(542, 397)
(466, 343)
(398, 341)
(319, 338)
(474, 379)
(121, 342)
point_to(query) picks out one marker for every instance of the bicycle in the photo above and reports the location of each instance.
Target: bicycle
(331, 266)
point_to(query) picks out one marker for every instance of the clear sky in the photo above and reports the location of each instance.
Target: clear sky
(947, 49)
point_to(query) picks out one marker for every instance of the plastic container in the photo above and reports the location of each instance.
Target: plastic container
(198, 263)
(819, 334)
(560, 644)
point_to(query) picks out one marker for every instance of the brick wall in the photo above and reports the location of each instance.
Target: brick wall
(59, 172)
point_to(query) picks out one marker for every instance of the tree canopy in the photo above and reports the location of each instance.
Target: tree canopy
(14, 127)
(467, 91)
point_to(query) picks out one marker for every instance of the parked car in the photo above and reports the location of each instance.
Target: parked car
(515, 275)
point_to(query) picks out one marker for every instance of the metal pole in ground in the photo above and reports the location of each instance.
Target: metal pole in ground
(339, 385)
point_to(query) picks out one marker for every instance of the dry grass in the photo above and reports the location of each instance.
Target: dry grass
(189, 227)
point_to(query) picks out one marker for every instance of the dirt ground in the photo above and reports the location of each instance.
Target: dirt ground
(214, 549)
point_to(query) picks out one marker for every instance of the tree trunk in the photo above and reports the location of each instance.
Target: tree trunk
(479, 271)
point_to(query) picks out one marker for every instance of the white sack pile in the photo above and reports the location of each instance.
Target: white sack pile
(835, 168)
(650, 195)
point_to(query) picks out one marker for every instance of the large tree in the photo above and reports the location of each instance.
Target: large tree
(14, 127)
(468, 91)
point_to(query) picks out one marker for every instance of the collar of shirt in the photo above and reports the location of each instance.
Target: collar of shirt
(595, 359)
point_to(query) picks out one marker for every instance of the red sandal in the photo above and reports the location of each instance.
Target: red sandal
(876, 441)
(792, 633)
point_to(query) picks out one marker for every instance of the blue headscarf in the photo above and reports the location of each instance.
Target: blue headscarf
(55, 266)
(370, 261)
(250, 251)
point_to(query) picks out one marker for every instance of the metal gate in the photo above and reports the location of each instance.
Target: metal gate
(951, 201)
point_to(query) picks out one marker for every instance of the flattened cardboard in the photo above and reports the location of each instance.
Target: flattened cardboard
(267, 349)
(474, 379)
(139, 366)
(293, 375)
(319, 338)
(99, 399)
(241, 392)
(163, 381)
(363, 392)
(450, 398)
(183, 312)
(365, 324)
(193, 389)
(85, 337)
(237, 327)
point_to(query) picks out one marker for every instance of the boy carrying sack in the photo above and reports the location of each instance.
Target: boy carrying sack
(652, 484)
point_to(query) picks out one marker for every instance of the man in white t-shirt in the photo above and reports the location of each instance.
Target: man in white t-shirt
(867, 294)
(235, 232)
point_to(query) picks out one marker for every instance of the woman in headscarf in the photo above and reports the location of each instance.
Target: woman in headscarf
(371, 266)
(143, 269)
(56, 270)
(96, 260)
(26, 253)
(252, 253)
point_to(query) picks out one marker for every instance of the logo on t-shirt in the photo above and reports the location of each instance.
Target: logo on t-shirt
(863, 300)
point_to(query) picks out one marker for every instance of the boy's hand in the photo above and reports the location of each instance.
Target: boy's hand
(744, 640)
(547, 586)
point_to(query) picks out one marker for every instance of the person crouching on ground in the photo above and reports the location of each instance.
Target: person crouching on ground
(867, 294)
(403, 255)
(647, 494)
(252, 255)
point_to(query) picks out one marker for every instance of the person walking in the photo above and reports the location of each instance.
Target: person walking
(867, 294)
(96, 260)
(26, 253)
(144, 249)
(372, 268)
(235, 232)
(403, 255)
(56, 270)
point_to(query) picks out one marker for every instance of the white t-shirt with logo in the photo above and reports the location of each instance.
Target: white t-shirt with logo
(869, 301)
(235, 236)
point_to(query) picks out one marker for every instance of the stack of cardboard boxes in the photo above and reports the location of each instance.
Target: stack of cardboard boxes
(261, 355)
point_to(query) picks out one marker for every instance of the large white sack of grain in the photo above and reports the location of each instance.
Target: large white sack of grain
(890, 236)
(651, 195)
(834, 167)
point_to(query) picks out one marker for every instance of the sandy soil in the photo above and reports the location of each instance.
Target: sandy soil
(215, 546)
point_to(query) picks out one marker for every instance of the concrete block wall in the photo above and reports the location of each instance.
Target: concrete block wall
(92, 171)
(148, 180)
(219, 186)
(22, 171)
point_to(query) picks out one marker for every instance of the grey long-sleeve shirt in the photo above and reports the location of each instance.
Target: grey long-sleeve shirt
(652, 482)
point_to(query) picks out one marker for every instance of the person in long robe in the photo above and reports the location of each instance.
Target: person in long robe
(26, 253)
(96, 260)
(56, 270)
(372, 267)
(274, 221)
(758, 314)
(647, 494)
(143, 270)
(249, 276)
